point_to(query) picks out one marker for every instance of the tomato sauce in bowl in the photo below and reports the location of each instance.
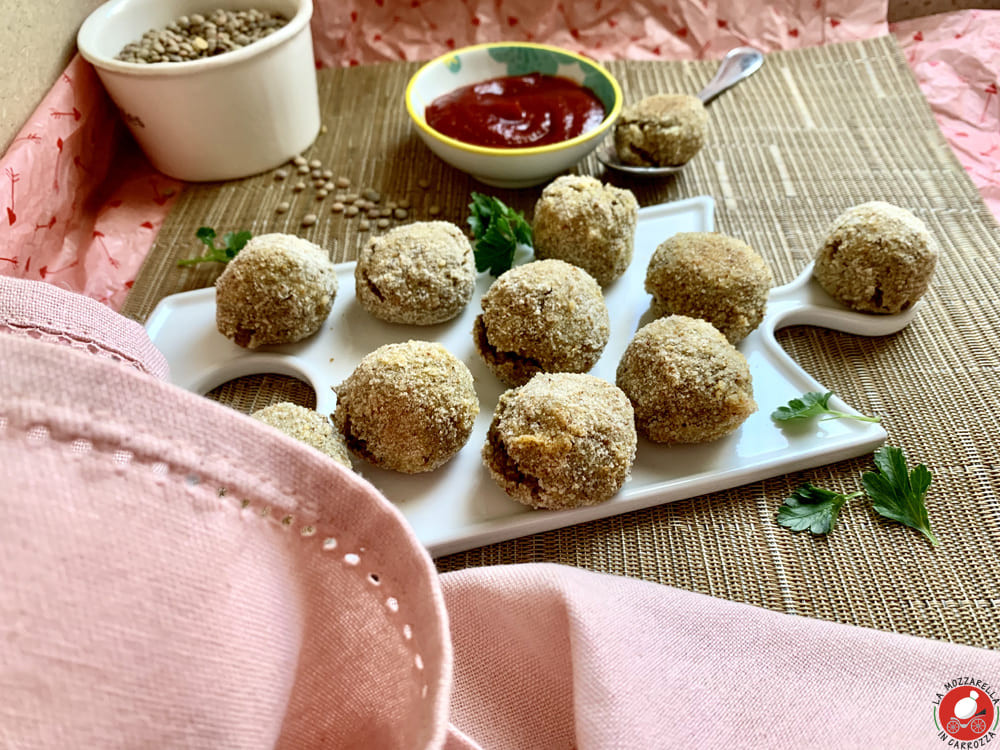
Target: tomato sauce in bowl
(516, 111)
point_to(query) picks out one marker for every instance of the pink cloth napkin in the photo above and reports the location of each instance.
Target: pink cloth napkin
(956, 60)
(360, 31)
(36, 311)
(80, 204)
(177, 575)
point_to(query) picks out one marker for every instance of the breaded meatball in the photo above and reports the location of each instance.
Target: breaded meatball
(544, 316)
(421, 273)
(277, 290)
(663, 130)
(877, 258)
(710, 276)
(307, 426)
(687, 383)
(407, 407)
(561, 441)
(581, 221)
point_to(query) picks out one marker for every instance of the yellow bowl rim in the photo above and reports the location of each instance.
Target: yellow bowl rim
(606, 123)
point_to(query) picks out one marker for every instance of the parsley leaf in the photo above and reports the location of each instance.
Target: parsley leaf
(812, 508)
(897, 494)
(233, 243)
(814, 404)
(498, 230)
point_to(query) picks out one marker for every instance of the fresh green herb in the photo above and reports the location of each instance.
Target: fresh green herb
(234, 242)
(814, 404)
(898, 494)
(812, 508)
(498, 230)
(894, 492)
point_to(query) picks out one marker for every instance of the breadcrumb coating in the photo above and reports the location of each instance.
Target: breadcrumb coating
(419, 274)
(407, 407)
(877, 258)
(279, 289)
(543, 316)
(562, 440)
(663, 130)
(581, 221)
(686, 382)
(710, 276)
(307, 426)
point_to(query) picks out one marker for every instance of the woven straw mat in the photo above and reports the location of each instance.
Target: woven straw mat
(812, 133)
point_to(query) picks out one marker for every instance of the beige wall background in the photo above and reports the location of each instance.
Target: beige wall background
(37, 40)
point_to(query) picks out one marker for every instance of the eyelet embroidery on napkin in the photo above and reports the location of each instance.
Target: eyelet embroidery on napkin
(64, 339)
(350, 559)
(38, 435)
(124, 459)
(81, 447)
(353, 559)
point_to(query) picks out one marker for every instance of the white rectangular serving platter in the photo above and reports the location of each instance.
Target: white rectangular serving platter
(458, 506)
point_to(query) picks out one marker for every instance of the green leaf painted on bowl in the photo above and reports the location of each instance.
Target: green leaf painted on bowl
(453, 63)
(521, 61)
(601, 87)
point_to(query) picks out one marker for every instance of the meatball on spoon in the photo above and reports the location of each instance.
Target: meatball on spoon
(739, 63)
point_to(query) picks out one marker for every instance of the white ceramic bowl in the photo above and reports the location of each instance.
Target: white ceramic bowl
(510, 167)
(217, 118)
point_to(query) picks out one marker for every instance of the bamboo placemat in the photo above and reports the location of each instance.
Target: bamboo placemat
(814, 132)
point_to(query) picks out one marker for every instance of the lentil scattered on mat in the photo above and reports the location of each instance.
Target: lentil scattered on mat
(362, 204)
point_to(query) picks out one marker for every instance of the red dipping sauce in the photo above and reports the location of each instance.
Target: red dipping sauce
(516, 111)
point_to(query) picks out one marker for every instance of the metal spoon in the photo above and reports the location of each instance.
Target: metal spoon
(739, 63)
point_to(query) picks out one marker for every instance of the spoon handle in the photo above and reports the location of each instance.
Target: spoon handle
(739, 63)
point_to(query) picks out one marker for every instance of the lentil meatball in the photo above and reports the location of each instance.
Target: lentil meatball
(710, 276)
(407, 407)
(307, 426)
(877, 258)
(420, 274)
(563, 440)
(663, 130)
(581, 221)
(279, 289)
(686, 382)
(544, 316)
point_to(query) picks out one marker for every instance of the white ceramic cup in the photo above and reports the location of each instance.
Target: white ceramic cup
(217, 118)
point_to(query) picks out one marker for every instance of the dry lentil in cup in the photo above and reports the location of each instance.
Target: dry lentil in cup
(202, 35)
